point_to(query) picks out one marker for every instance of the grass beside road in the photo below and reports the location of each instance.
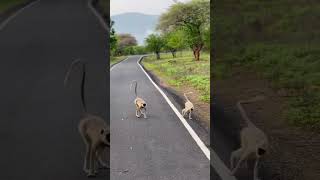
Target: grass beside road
(7, 4)
(116, 59)
(183, 71)
(291, 69)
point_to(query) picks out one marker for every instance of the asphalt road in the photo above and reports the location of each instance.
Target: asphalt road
(158, 147)
(39, 117)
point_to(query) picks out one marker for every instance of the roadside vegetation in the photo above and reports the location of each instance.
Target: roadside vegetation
(280, 46)
(7, 4)
(116, 59)
(182, 71)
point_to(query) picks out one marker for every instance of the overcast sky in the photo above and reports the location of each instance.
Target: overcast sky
(155, 7)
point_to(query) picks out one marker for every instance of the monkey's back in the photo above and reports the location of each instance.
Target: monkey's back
(91, 125)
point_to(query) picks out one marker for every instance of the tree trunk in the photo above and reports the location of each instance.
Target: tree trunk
(196, 52)
(173, 53)
(158, 55)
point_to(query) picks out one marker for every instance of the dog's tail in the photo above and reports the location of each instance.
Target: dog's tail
(243, 112)
(73, 64)
(185, 96)
(135, 87)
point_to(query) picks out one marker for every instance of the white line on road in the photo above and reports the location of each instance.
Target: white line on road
(216, 162)
(10, 18)
(117, 64)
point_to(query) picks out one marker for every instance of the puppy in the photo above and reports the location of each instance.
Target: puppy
(188, 106)
(141, 105)
(254, 142)
(93, 130)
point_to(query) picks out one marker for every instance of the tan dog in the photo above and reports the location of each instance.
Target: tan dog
(254, 142)
(188, 106)
(141, 105)
(93, 130)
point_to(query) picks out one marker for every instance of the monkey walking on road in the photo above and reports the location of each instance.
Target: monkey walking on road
(93, 130)
(254, 142)
(141, 105)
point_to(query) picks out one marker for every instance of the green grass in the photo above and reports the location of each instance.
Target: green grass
(278, 39)
(183, 70)
(295, 68)
(7, 4)
(116, 59)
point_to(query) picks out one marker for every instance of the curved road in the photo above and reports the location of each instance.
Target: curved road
(158, 147)
(39, 117)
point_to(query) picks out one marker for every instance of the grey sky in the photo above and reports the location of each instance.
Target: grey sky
(155, 7)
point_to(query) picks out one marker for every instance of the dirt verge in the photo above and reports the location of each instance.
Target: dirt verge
(294, 153)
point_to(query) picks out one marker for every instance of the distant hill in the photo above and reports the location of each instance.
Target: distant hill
(138, 24)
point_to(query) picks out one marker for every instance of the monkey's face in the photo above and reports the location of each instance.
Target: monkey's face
(260, 151)
(141, 104)
(105, 137)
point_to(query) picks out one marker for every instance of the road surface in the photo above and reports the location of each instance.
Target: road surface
(158, 147)
(39, 117)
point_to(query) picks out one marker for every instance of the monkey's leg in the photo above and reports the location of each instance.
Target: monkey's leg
(144, 113)
(235, 154)
(91, 163)
(183, 112)
(243, 157)
(86, 159)
(137, 113)
(255, 170)
(190, 114)
(100, 161)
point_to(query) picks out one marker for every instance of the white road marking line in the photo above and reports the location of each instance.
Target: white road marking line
(216, 162)
(112, 67)
(97, 14)
(10, 18)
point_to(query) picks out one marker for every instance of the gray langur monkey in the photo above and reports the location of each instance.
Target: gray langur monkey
(254, 142)
(141, 105)
(188, 106)
(93, 130)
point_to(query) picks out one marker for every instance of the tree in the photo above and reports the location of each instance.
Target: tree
(193, 17)
(113, 37)
(155, 43)
(126, 40)
(174, 40)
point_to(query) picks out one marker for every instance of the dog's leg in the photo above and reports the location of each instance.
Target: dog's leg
(91, 163)
(183, 112)
(190, 114)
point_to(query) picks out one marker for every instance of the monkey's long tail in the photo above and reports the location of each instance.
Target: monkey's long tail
(83, 100)
(135, 87)
(73, 64)
(185, 96)
(243, 112)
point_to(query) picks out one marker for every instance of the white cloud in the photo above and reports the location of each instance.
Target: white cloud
(142, 6)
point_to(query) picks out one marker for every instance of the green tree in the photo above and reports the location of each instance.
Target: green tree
(155, 43)
(113, 37)
(193, 17)
(174, 41)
